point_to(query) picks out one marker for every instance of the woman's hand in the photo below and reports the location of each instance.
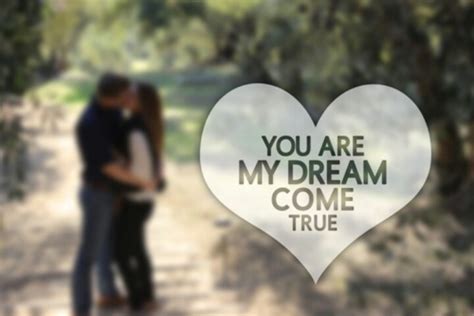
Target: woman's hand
(160, 184)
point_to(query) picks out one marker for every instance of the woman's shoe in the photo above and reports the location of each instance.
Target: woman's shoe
(111, 302)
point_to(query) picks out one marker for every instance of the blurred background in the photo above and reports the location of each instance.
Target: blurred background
(208, 262)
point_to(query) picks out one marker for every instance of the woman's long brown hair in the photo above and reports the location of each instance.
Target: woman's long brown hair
(152, 113)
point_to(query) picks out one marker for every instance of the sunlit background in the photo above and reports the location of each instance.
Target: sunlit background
(208, 262)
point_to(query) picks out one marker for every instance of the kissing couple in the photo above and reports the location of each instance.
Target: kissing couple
(120, 138)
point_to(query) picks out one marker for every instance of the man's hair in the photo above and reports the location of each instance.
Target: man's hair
(111, 85)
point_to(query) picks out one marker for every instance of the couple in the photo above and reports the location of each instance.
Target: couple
(122, 169)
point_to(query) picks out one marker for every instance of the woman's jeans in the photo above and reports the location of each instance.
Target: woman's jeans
(98, 208)
(131, 252)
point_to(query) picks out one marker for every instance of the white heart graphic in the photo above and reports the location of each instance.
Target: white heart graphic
(381, 122)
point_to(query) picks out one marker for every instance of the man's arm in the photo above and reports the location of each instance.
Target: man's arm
(97, 151)
(119, 173)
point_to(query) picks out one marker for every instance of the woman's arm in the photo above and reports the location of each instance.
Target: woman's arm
(141, 162)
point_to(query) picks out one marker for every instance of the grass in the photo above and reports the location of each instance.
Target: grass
(64, 91)
(188, 95)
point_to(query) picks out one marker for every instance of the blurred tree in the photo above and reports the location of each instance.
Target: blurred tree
(316, 50)
(313, 49)
(425, 49)
(91, 35)
(277, 47)
(106, 47)
(64, 22)
(20, 38)
(226, 22)
(289, 44)
(113, 34)
(159, 13)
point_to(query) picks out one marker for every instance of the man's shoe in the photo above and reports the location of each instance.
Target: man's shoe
(111, 302)
(152, 306)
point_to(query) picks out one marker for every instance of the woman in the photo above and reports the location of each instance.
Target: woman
(143, 151)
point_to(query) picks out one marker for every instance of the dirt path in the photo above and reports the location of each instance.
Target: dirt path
(41, 235)
(402, 267)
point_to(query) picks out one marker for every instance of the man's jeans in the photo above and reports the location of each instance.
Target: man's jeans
(95, 247)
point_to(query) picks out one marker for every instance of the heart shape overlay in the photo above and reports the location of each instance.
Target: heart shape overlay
(315, 188)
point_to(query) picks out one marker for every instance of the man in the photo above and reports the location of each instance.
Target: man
(98, 137)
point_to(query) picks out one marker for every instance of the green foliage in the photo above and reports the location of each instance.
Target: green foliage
(176, 47)
(12, 158)
(225, 20)
(423, 48)
(313, 49)
(19, 37)
(101, 49)
(154, 14)
(72, 88)
(63, 25)
(316, 49)
(83, 33)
